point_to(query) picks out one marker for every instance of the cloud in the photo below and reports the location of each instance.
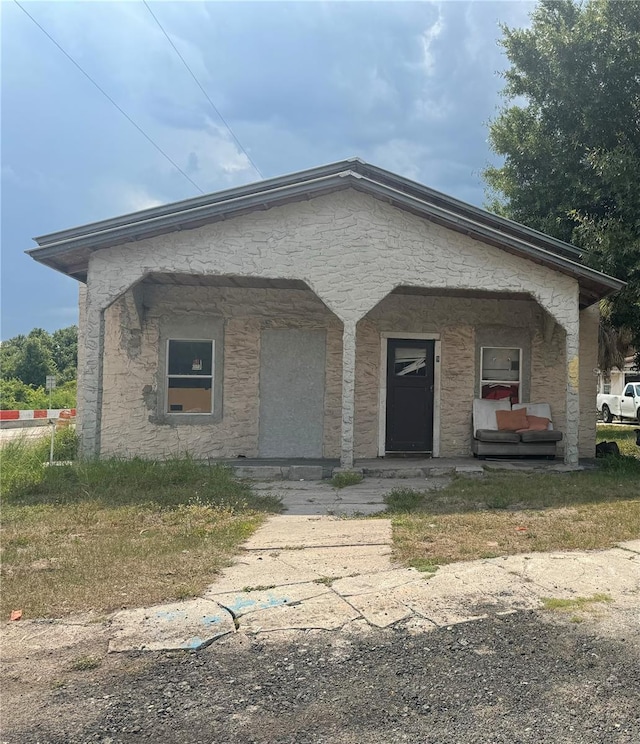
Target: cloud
(401, 156)
(428, 38)
(135, 198)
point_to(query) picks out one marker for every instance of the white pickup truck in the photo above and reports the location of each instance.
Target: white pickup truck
(625, 406)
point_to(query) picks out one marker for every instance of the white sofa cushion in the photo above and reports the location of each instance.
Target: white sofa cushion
(537, 409)
(484, 412)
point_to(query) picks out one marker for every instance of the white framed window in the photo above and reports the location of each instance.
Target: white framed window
(500, 372)
(190, 376)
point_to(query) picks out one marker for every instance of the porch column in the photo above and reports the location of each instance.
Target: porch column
(90, 379)
(348, 392)
(572, 346)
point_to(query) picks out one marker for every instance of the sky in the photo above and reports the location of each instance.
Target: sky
(408, 86)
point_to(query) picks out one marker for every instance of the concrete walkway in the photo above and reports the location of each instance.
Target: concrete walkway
(319, 572)
(321, 498)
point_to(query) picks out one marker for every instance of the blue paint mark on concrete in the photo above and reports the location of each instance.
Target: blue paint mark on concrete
(273, 602)
(194, 642)
(242, 603)
(212, 619)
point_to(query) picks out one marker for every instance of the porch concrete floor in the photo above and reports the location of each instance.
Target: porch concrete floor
(305, 489)
(308, 469)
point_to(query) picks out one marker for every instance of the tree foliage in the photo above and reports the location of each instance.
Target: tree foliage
(570, 136)
(15, 395)
(25, 362)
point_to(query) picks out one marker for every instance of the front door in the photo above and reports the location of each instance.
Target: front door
(409, 395)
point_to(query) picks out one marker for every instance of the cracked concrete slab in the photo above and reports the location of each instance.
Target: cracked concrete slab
(261, 570)
(466, 591)
(380, 609)
(342, 561)
(632, 545)
(242, 603)
(326, 612)
(180, 625)
(324, 573)
(375, 582)
(578, 573)
(286, 531)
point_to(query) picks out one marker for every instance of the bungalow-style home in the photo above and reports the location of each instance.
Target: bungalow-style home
(342, 311)
(613, 382)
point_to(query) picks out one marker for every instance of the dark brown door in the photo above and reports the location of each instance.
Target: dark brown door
(409, 395)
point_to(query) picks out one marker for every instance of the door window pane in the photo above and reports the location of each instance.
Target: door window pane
(410, 361)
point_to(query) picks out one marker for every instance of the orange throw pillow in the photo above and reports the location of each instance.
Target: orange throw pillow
(512, 420)
(536, 423)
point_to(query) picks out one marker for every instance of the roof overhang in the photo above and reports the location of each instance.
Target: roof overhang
(68, 251)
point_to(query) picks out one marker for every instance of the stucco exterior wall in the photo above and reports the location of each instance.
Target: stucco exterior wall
(352, 250)
(589, 321)
(82, 346)
(548, 375)
(132, 418)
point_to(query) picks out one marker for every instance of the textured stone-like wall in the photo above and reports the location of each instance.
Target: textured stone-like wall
(352, 250)
(132, 423)
(456, 320)
(367, 388)
(589, 321)
(132, 377)
(82, 345)
(548, 374)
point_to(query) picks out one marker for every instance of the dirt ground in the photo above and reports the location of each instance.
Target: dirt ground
(524, 677)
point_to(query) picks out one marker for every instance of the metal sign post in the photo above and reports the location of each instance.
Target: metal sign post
(50, 384)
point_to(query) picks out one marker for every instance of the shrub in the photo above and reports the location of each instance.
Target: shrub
(347, 478)
(16, 395)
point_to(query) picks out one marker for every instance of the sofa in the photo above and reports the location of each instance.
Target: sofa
(501, 429)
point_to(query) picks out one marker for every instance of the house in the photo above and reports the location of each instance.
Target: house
(614, 382)
(342, 311)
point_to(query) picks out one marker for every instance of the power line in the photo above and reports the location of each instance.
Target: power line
(197, 82)
(108, 97)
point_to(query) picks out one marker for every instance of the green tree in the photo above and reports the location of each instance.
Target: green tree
(570, 136)
(34, 363)
(64, 349)
(25, 361)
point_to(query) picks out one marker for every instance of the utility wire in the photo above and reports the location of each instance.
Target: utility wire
(108, 97)
(197, 82)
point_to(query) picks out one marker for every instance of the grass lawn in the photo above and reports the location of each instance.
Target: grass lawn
(98, 536)
(623, 434)
(507, 513)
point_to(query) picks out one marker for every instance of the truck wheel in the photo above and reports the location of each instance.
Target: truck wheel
(606, 414)
(638, 415)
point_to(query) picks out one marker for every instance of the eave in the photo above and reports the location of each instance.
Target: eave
(68, 251)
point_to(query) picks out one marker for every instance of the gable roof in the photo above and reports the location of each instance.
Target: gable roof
(68, 251)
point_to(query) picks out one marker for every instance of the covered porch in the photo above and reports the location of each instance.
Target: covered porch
(293, 379)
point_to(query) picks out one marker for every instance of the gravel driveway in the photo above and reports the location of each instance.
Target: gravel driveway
(526, 677)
